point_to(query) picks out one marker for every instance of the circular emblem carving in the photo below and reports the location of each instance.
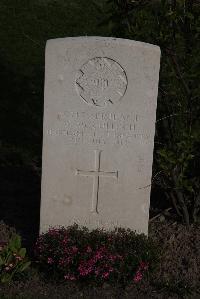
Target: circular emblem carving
(101, 81)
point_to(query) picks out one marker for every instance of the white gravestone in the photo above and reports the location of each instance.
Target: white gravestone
(99, 124)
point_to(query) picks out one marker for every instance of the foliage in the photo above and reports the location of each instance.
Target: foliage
(6, 232)
(13, 261)
(25, 26)
(74, 253)
(174, 25)
(177, 276)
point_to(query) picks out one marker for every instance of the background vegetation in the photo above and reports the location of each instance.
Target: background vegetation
(26, 25)
(174, 25)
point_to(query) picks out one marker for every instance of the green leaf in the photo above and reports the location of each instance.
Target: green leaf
(22, 252)
(24, 266)
(6, 278)
(98, 6)
(15, 243)
(9, 258)
(1, 261)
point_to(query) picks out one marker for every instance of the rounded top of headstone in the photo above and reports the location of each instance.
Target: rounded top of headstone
(101, 81)
(104, 40)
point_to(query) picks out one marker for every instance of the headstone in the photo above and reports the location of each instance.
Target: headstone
(99, 123)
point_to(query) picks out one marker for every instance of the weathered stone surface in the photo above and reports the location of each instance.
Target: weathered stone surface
(99, 122)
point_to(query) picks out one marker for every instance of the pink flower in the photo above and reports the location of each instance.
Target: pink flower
(111, 269)
(105, 275)
(89, 249)
(7, 268)
(144, 266)
(85, 271)
(61, 262)
(113, 257)
(74, 249)
(86, 268)
(53, 232)
(69, 277)
(64, 241)
(50, 260)
(100, 253)
(19, 258)
(138, 276)
(65, 261)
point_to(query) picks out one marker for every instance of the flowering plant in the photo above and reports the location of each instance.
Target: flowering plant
(13, 259)
(75, 253)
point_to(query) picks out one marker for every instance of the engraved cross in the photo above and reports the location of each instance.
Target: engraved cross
(96, 173)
